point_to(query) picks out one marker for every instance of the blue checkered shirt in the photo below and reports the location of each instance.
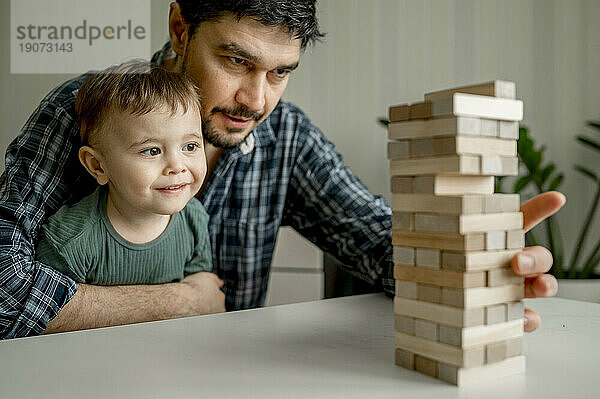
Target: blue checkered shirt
(284, 173)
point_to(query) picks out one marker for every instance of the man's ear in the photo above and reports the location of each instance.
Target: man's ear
(178, 29)
(92, 161)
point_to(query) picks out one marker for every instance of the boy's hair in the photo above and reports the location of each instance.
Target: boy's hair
(298, 16)
(135, 87)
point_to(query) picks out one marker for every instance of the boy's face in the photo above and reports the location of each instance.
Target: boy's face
(155, 163)
(242, 68)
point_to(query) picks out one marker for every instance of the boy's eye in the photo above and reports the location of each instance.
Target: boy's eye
(151, 152)
(191, 147)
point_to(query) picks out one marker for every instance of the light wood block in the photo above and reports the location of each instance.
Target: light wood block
(503, 276)
(405, 359)
(420, 110)
(402, 184)
(477, 261)
(450, 335)
(434, 127)
(491, 221)
(404, 324)
(426, 366)
(461, 185)
(426, 329)
(403, 220)
(424, 148)
(456, 145)
(515, 239)
(495, 352)
(441, 278)
(406, 289)
(515, 310)
(429, 293)
(442, 241)
(430, 258)
(490, 127)
(485, 146)
(477, 336)
(470, 357)
(426, 203)
(436, 222)
(398, 149)
(495, 314)
(404, 255)
(399, 113)
(481, 296)
(464, 376)
(461, 164)
(496, 88)
(447, 315)
(499, 203)
(514, 347)
(509, 130)
(495, 240)
(471, 105)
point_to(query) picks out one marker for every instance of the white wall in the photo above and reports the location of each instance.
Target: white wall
(383, 52)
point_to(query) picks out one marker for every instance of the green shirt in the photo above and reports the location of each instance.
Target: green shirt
(79, 241)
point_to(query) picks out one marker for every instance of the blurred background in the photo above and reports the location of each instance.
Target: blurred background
(379, 53)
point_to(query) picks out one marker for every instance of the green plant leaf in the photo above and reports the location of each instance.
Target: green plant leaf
(546, 172)
(556, 182)
(586, 172)
(383, 122)
(522, 183)
(589, 143)
(594, 124)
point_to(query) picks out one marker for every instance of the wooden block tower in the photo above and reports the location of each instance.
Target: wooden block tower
(458, 309)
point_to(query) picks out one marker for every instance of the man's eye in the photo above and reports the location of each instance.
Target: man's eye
(281, 73)
(191, 147)
(237, 61)
(151, 152)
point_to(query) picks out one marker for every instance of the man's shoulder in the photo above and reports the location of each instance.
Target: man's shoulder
(288, 120)
(64, 95)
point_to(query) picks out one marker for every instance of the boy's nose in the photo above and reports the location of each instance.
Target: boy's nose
(174, 166)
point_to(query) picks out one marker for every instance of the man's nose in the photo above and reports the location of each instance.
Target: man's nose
(252, 92)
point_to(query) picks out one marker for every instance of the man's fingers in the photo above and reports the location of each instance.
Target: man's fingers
(541, 286)
(532, 320)
(540, 207)
(532, 261)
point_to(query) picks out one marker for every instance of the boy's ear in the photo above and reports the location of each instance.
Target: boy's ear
(178, 29)
(91, 160)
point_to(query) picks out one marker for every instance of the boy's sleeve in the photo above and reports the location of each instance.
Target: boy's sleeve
(49, 254)
(40, 176)
(202, 258)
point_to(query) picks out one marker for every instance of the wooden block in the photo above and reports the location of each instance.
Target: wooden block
(403, 220)
(402, 184)
(434, 127)
(503, 276)
(510, 166)
(462, 185)
(436, 222)
(406, 289)
(471, 105)
(464, 376)
(422, 148)
(430, 258)
(398, 149)
(404, 324)
(404, 255)
(470, 357)
(481, 296)
(495, 314)
(495, 240)
(490, 128)
(515, 239)
(441, 278)
(485, 146)
(491, 221)
(442, 241)
(426, 203)
(495, 352)
(477, 261)
(424, 184)
(499, 203)
(405, 359)
(420, 110)
(426, 329)
(429, 293)
(494, 165)
(450, 335)
(496, 88)
(514, 347)
(509, 130)
(399, 113)
(447, 315)
(426, 366)
(449, 164)
(515, 310)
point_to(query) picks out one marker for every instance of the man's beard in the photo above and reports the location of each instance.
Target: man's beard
(232, 136)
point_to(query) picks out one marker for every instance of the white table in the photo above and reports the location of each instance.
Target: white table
(338, 348)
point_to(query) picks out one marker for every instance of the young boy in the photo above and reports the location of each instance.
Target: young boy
(142, 142)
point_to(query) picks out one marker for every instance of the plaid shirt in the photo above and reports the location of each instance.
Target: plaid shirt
(284, 173)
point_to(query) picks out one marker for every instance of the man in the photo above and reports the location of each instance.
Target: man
(267, 166)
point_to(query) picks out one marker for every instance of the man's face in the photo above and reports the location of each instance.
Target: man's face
(242, 69)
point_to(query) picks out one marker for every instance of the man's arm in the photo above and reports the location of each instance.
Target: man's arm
(96, 306)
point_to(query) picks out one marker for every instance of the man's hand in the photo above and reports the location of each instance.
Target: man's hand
(534, 262)
(95, 306)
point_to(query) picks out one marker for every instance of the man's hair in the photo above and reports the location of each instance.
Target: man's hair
(135, 87)
(297, 16)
